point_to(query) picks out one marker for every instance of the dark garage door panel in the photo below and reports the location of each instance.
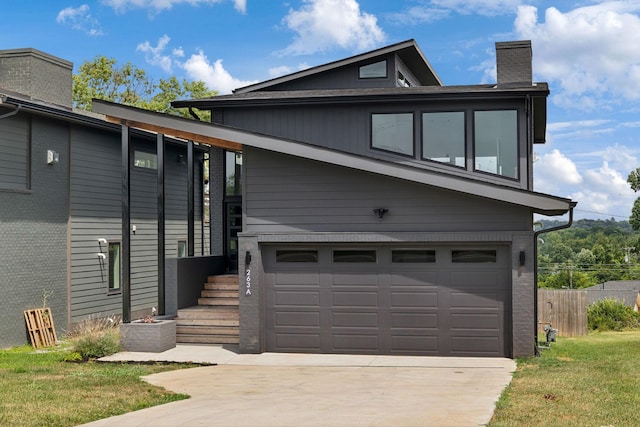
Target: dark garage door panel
(387, 308)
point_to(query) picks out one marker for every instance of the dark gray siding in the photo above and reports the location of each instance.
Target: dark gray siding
(342, 78)
(96, 205)
(14, 151)
(176, 197)
(285, 193)
(96, 183)
(347, 128)
(33, 234)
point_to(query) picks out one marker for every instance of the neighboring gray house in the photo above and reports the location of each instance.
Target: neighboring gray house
(381, 211)
(627, 291)
(61, 197)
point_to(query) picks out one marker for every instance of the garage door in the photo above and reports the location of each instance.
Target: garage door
(445, 301)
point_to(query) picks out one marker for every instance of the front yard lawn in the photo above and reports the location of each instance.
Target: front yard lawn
(40, 389)
(584, 381)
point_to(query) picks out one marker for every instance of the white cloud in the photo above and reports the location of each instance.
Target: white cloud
(554, 170)
(161, 5)
(321, 25)
(198, 67)
(280, 71)
(436, 10)
(605, 191)
(480, 7)
(285, 69)
(419, 15)
(598, 182)
(155, 56)
(591, 51)
(80, 19)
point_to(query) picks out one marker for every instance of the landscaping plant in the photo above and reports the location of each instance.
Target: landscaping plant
(94, 337)
(611, 315)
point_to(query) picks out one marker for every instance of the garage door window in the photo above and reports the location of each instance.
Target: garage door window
(354, 256)
(296, 256)
(474, 256)
(413, 256)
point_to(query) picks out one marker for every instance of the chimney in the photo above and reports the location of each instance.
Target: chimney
(513, 63)
(40, 76)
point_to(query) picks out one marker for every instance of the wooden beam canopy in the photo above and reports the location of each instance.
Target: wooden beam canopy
(189, 136)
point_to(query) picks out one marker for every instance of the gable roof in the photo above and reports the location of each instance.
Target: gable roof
(233, 138)
(407, 50)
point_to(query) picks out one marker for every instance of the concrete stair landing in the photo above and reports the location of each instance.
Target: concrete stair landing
(215, 320)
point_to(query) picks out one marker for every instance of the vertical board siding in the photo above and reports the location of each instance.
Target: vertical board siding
(566, 310)
(14, 151)
(285, 193)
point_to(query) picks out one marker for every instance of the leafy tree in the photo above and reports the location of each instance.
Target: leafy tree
(127, 84)
(595, 251)
(634, 182)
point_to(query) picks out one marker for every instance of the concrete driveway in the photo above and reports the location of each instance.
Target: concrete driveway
(328, 390)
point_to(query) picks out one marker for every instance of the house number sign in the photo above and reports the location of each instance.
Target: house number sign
(248, 282)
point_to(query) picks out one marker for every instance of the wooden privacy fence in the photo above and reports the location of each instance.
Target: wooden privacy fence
(565, 309)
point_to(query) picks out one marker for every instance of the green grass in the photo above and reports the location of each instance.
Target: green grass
(585, 381)
(40, 389)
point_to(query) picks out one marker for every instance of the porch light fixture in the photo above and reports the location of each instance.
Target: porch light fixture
(53, 157)
(522, 259)
(381, 212)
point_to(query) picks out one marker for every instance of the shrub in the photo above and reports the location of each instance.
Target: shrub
(95, 337)
(611, 315)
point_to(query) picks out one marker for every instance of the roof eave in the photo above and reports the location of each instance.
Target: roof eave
(218, 135)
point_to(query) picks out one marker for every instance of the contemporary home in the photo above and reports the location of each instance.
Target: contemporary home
(364, 206)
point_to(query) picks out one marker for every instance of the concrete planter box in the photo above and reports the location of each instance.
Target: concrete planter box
(154, 337)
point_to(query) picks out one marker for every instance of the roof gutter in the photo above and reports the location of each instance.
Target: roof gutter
(535, 270)
(16, 108)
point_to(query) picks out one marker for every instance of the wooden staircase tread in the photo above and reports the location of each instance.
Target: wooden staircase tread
(206, 339)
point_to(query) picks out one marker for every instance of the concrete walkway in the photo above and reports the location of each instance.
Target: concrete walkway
(273, 389)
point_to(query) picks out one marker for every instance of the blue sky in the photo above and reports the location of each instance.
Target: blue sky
(586, 50)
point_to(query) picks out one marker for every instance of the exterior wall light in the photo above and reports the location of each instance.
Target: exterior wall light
(381, 212)
(53, 157)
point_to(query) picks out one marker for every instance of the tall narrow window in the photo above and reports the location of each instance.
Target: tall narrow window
(182, 248)
(115, 267)
(233, 173)
(443, 137)
(496, 142)
(393, 132)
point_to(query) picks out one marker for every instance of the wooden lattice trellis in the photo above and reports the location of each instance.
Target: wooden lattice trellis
(42, 331)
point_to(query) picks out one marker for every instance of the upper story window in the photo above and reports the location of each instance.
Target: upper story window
(373, 71)
(496, 142)
(403, 81)
(145, 160)
(393, 132)
(476, 141)
(443, 137)
(14, 152)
